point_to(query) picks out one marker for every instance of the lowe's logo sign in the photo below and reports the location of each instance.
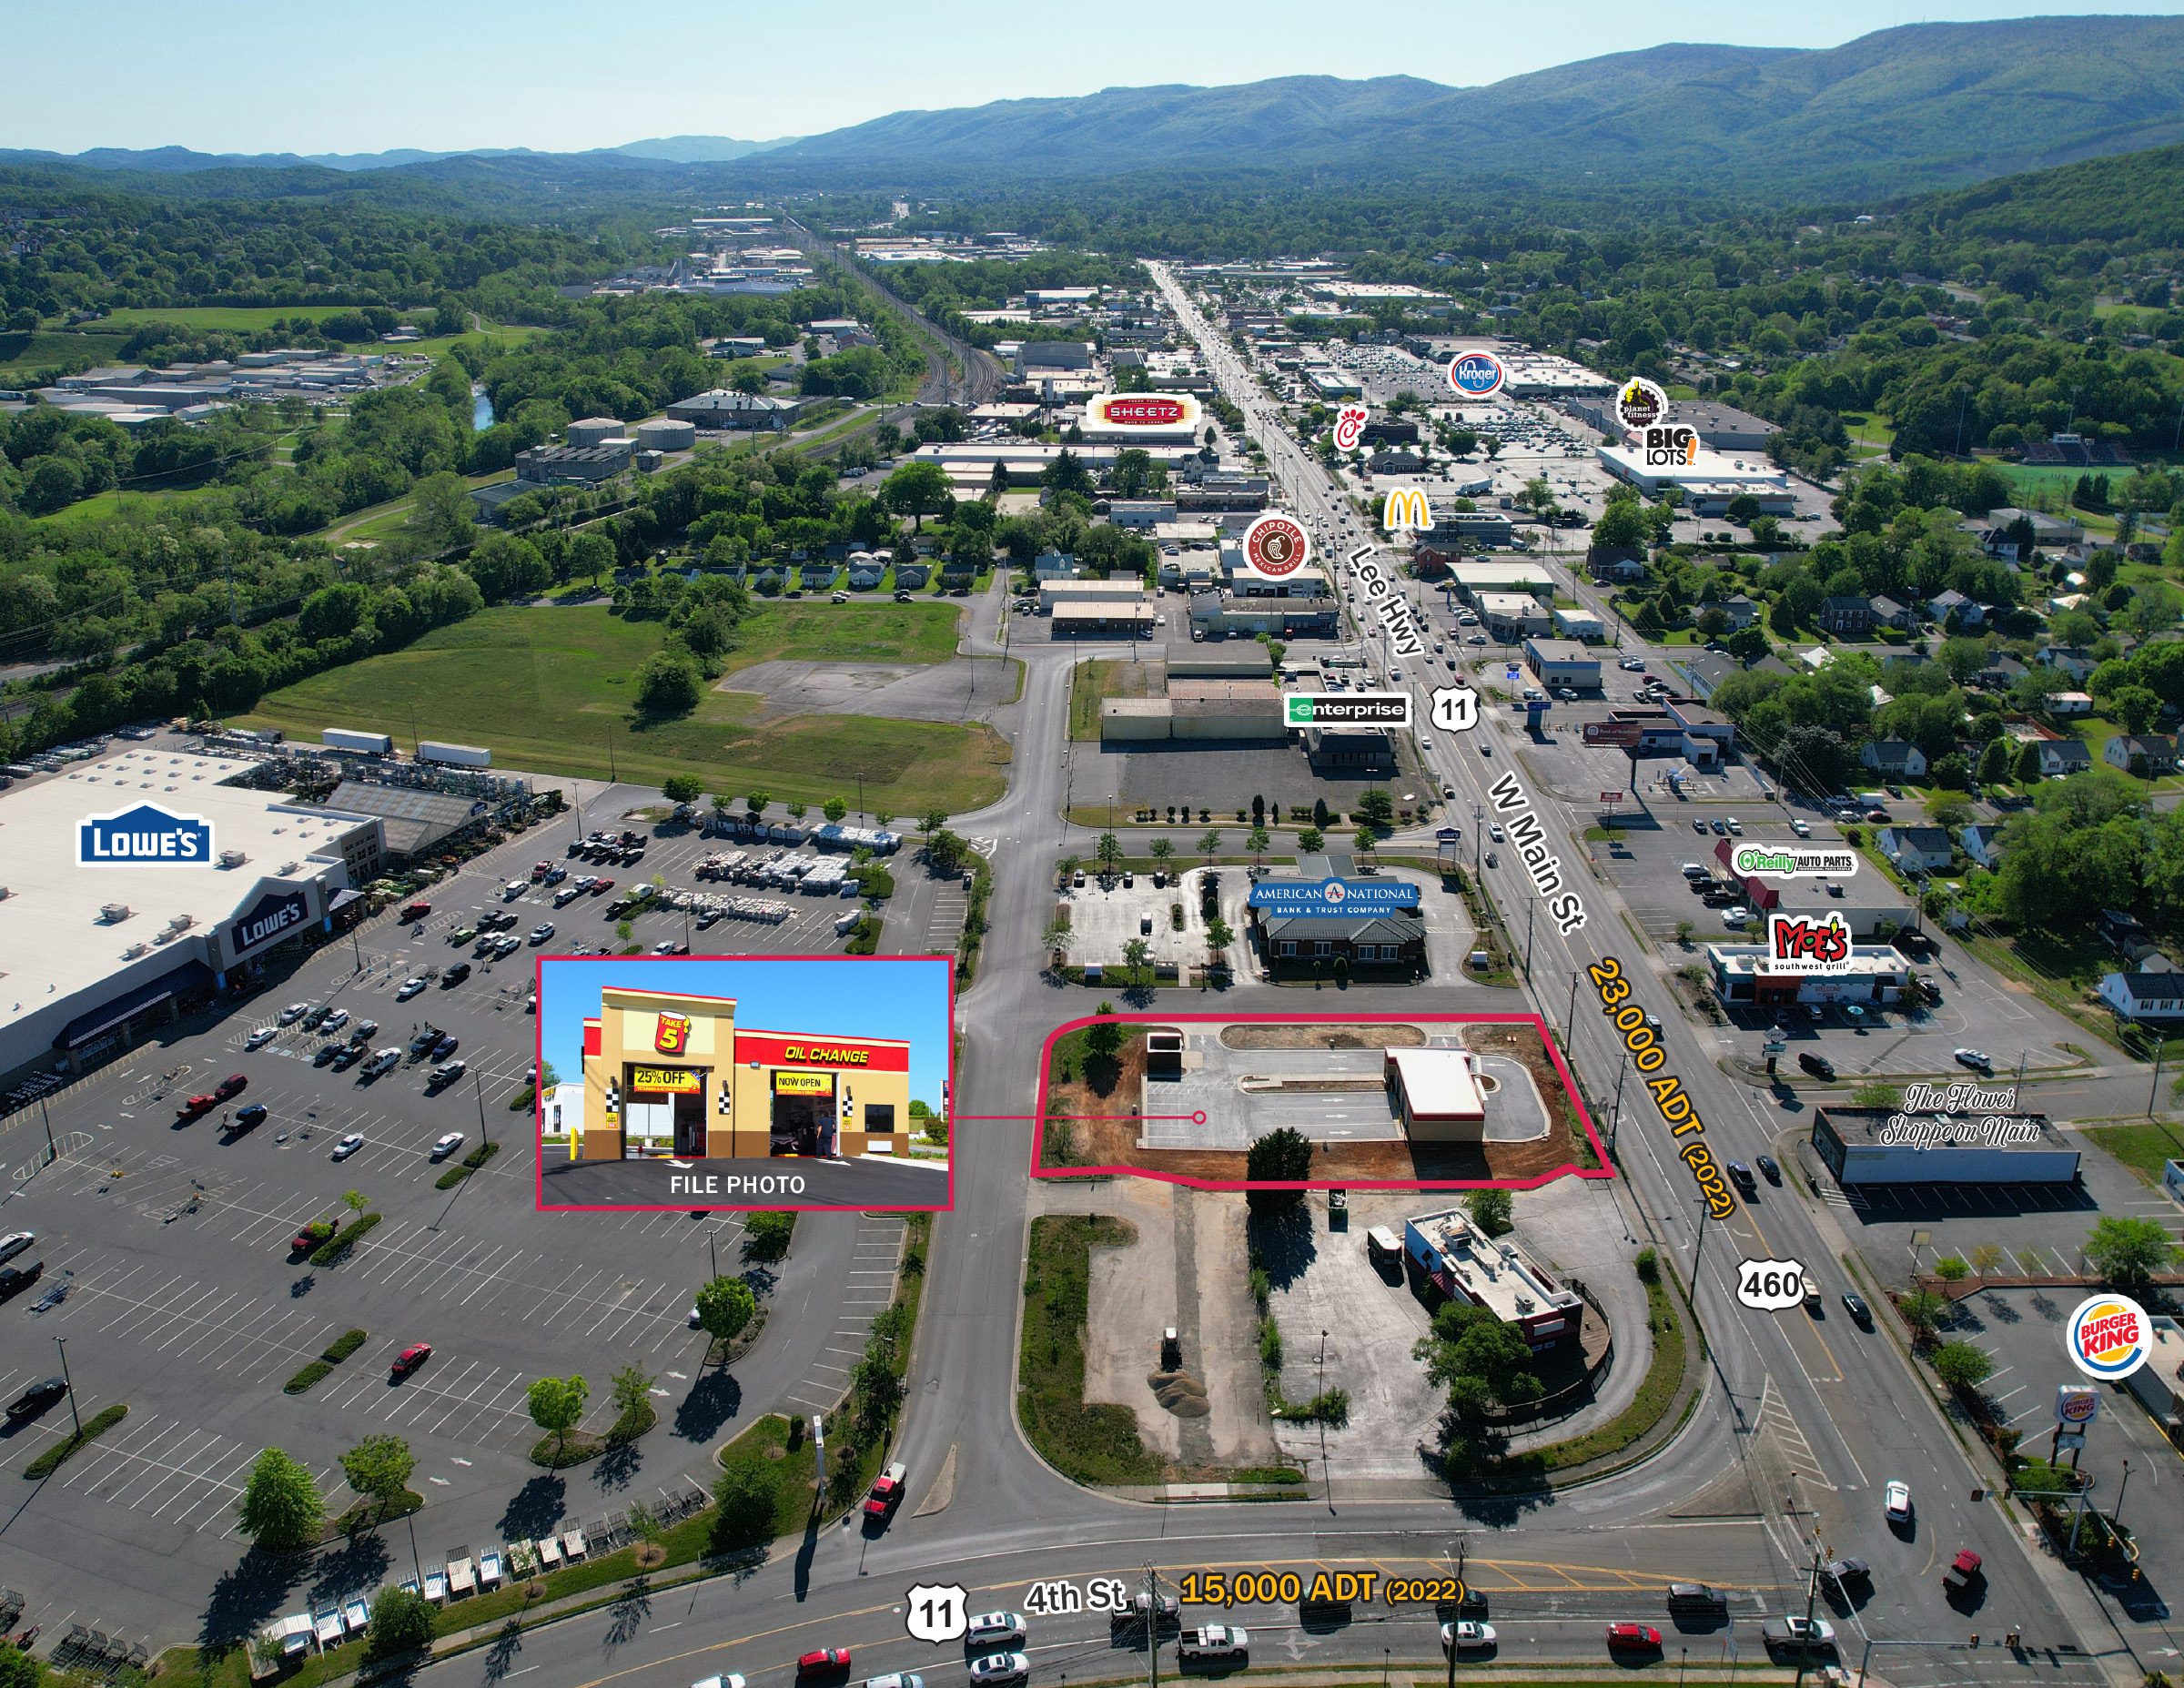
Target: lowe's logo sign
(275, 913)
(143, 834)
(1335, 896)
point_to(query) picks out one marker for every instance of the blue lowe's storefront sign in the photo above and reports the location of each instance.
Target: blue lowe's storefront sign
(1335, 896)
(145, 835)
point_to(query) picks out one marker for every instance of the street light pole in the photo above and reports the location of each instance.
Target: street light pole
(51, 1152)
(70, 1383)
(485, 1132)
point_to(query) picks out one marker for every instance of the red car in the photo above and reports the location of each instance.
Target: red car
(1879, 817)
(196, 1105)
(1633, 1638)
(408, 1360)
(416, 911)
(886, 1493)
(825, 1662)
(230, 1086)
(601, 886)
(539, 870)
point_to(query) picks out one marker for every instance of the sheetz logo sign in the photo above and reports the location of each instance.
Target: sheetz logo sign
(273, 914)
(1276, 546)
(2107, 1337)
(1144, 411)
(1477, 374)
(1797, 944)
(671, 1035)
(146, 834)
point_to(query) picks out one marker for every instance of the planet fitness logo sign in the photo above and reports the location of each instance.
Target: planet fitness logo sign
(1275, 546)
(1640, 404)
(2107, 1337)
(1477, 374)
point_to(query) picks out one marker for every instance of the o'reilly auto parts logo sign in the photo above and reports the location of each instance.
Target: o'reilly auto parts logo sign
(1346, 709)
(145, 835)
(271, 916)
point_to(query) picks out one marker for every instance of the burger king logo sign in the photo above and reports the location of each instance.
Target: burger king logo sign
(2107, 1337)
(1276, 546)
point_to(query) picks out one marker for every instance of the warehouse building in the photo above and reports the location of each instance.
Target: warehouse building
(1052, 593)
(1511, 617)
(1710, 477)
(141, 884)
(668, 1074)
(1877, 1145)
(1562, 663)
(1475, 575)
(1131, 618)
(1221, 615)
(1448, 1252)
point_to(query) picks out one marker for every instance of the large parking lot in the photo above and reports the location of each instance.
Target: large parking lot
(169, 1273)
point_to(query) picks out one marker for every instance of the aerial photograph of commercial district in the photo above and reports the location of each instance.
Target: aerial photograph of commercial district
(1223, 840)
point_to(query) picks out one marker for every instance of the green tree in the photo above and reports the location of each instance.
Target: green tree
(556, 1405)
(356, 1201)
(1109, 852)
(667, 684)
(1491, 1210)
(834, 808)
(725, 1304)
(931, 822)
(798, 809)
(2128, 1252)
(1054, 939)
(280, 1509)
(1478, 1359)
(1962, 1364)
(767, 1236)
(1312, 841)
(745, 1497)
(1220, 935)
(1950, 1269)
(401, 1621)
(758, 802)
(1366, 841)
(1377, 807)
(1283, 1156)
(1135, 954)
(1923, 1310)
(679, 788)
(1210, 844)
(1161, 851)
(917, 491)
(380, 1466)
(1103, 1038)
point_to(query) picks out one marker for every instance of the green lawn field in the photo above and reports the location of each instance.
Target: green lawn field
(550, 690)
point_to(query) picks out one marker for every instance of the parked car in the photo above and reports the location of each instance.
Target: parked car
(542, 931)
(15, 1280)
(245, 1117)
(408, 1360)
(447, 1073)
(294, 1012)
(1466, 1637)
(335, 1021)
(1895, 1502)
(1818, 1066)
(327, 1053)
(35, 1399)
(1976, 1059)
(447, 1145)
(363, 1031)
(410, 987)
(348, 1146)
(15, 1243)
(1803, 829)
(455, 975)
(1633, 1638)
(233, 1085)
(263, 1035)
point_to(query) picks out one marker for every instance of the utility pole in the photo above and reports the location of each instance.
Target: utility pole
(1152, 1623)
(1616, 1124)
(2161, 1047)
(1570, 1015)
(485, 1132)
(53, 1152)
(1812, 1598)
(1530, 909)
(1699, 1253)
(70, 1383)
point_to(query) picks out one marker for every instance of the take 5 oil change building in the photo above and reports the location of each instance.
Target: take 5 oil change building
(670, 1075)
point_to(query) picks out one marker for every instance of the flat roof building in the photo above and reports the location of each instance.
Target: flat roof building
(1437, 1094)
(1956, 1140)
(98, 950)
(1709, 468)
(1563, 661)
(1449, 1251)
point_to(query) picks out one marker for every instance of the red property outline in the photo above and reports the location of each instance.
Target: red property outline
(538, 1100)
(1568, 1169)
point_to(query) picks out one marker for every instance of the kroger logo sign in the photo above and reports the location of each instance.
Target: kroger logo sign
(1477, 374)
(144, 833)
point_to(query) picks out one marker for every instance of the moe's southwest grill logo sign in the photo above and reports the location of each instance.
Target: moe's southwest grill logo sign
(1144, 411)
(1796, 943)
(671, 1036)
(145, 836)
(2107, 1337)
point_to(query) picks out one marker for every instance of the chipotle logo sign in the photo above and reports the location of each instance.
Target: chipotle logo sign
(1144, 411)
(1275, 546)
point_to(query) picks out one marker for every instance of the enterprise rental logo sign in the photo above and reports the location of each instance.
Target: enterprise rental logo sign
(1352, 897)
(1346, 709)
(145, 835)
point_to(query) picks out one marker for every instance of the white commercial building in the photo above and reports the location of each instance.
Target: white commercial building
(96, 951)
(1721, 477)
(1887, 1146)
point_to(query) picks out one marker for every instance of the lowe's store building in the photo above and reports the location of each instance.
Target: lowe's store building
(140, 884)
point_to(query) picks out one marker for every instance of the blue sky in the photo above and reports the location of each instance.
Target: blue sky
(844, 997)
(276, 76)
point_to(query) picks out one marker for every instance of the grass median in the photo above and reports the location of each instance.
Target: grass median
(96, 1426)
(1087, 1443)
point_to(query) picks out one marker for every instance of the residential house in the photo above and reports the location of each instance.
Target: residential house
(1888, 612)
(2000, 674)
(2059, 757)
(864, 576)
(1982, 842)
(1899, 759)
(2140, 997)
(1741, 610)
(2061, 703)
(2145, 754)
(2075, 661)
(1926, 848)
(1967, 611)
(1707, 672)
(1846, 614)
(2047, 531)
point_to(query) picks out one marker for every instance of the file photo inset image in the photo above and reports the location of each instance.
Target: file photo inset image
(744, 1082)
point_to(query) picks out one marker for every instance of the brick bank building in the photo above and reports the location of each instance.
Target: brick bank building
(668, 1074)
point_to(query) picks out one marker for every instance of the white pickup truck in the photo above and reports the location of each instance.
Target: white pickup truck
(1214, 1645)
(383, 1061)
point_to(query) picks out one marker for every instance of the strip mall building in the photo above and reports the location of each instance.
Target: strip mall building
(668, 1074)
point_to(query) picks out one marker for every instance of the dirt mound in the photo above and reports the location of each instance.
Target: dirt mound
(1179, 1392)
(1388, 1036)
